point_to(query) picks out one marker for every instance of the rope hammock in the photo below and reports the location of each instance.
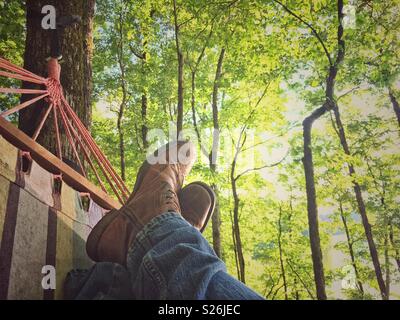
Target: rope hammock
(77, 136)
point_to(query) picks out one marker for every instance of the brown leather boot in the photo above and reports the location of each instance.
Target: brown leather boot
(197, 201)
(155, 193)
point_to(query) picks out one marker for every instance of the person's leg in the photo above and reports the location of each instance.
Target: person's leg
(103, 281)
(170, 259)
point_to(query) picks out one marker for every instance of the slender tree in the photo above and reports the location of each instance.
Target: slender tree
(180, 58)
(312, 207)
(281, 263)
(141, 51)
(350, 247)
(395, 104)
(122, 106)
(213, 155)
(361, 204)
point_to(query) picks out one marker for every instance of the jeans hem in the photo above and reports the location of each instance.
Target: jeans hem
(143, 236)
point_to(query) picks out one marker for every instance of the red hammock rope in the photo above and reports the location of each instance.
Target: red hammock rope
(77, 136)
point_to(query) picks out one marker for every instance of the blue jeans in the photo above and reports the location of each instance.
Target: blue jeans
(169, 259)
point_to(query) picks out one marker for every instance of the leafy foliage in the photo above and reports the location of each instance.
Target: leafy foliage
(273, 74)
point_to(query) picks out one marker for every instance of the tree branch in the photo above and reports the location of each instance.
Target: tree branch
(295, 125)
(259, 168)
(310, 27)
(348, 92)
(301, 280)
(138, 55)
(266, 295)
(333, 123)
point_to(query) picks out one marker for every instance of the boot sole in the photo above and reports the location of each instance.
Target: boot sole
(212, 196)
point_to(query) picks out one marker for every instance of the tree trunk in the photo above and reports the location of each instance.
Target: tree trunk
(388, 221)
(213, 155)
(145, 129)
(235, 247)
(281, 253)
(142, 54)
(395, 247)
(216, 218)
(395, 104)
(296, 292)
(120, 56)
(193, 106)
(193, 93)
(216, 225)
(236, 225)
(386, 244)
(290, 231)
(239, 245)
(361, 206)
(312, 209)
(351, 250)
(217, 80)
(121, 140)
(387, 265)
(76, 74)
(179, 125)
(301, 280)
(144, 102)
(179, 122)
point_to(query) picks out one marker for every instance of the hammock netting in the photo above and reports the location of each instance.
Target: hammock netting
(77, 136)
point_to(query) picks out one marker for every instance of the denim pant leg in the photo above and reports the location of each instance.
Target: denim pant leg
(103, 281)
(170, 259)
